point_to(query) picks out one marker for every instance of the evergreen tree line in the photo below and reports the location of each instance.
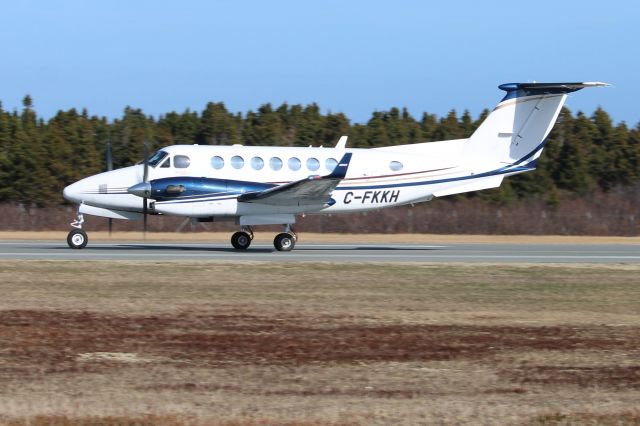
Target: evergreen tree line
(39, 158)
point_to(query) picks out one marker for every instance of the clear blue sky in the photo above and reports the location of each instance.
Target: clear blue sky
(349, 56)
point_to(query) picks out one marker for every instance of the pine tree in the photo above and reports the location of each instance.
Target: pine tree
(263, 128)
(449, 128)
(467, 124)
(335, 126)
(377, 134)
(633, 154)
(428, 126)
(5, 166)
(308, 127)
(603, 152)
(573, 173)
(217, 126)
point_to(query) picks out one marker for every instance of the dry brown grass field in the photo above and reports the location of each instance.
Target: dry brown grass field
(216, 343)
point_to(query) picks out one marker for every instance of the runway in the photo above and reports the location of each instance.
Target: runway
(467, 253)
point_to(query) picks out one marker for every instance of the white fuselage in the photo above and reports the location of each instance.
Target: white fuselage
(208, 179)
(376, 178)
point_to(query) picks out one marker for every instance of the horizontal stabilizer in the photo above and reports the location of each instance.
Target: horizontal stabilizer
(517, 90)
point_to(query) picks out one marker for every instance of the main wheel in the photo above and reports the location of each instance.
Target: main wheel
(77, 239)
(241, 240)
(284, 242)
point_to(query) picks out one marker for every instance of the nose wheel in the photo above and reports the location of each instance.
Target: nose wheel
(77, 239)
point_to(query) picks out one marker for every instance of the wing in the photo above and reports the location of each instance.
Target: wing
(314, 190)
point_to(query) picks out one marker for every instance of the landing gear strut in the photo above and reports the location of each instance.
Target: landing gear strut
(241, 240)
(77, 238)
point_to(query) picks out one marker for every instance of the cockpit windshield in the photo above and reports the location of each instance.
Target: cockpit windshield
(157, 158)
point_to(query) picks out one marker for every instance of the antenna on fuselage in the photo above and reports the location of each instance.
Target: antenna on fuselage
(342, 142)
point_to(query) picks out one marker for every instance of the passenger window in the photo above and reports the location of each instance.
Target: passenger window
(181, 161)
(217, 162)
(395, 166)
(294, 163)
(313, 164)
(330, 164)
(275, 163)
(257, 163)
(237, 162)
(166, 164)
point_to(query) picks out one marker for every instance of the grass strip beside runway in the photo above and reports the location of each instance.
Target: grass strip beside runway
(317, 343)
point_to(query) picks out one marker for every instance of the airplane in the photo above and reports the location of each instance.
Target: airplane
(265, 185)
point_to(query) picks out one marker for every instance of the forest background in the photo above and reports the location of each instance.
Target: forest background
(587, 181)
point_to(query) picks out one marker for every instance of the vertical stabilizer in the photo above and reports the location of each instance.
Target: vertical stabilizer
(515, 131)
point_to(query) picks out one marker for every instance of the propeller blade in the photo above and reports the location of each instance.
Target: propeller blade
(144, 213)
(145, 175)
(145, 180)
(109, 161)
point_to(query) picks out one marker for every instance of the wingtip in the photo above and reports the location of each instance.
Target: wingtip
(596, 84)
(343, 165)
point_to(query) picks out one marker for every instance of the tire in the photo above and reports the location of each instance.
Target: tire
(241, 240)
(284, 242)
(77, 239)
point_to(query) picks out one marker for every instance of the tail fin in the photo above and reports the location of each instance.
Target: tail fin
(515, 131)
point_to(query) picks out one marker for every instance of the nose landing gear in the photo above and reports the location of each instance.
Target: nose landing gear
(77, 238)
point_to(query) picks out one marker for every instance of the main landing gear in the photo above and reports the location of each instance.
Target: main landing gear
(284, 241)
(241, 240)
(77, 238)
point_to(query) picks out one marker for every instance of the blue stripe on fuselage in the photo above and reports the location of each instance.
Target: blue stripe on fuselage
(502, 171)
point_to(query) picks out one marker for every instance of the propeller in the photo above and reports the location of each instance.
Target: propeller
(145, 179)
(143, 189)
(109, 161)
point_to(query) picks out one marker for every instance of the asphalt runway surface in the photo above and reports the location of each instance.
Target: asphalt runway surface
(465, 253)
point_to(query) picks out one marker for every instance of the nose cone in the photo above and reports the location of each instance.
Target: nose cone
(142, 189)
(72, 193)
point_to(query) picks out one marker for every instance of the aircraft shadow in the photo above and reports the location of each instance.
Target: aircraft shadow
(213, 248)
(142, 247)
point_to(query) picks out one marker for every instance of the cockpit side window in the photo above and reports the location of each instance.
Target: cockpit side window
(166, 164)
(156, 158)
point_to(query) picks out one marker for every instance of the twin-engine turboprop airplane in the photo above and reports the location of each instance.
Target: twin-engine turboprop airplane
(254, 185)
